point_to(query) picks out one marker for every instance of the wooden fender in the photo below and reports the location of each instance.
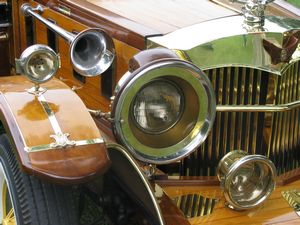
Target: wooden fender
(34, 122)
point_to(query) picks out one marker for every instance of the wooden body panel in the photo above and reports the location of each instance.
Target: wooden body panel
(30, 126)
(168, 16)
(274, 210)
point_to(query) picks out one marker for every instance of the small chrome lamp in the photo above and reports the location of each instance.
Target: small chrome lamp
(247, 180)
(39, 63)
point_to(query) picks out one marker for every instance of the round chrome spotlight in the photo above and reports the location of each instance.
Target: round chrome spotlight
(39, 63)
(163, 110)
(247, 180)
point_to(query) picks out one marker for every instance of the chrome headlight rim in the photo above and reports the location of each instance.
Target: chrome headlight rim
(233, 170)
(142, 76)
(31, 52)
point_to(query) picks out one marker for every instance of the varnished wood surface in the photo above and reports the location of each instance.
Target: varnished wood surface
(164, 16)
(274, 210)
(29, 126)
(116, 26)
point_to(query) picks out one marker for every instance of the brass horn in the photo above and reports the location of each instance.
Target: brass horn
(91, 51)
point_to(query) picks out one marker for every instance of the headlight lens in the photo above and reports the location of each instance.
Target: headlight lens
(158, 106)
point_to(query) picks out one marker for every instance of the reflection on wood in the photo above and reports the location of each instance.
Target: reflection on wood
(275, 210)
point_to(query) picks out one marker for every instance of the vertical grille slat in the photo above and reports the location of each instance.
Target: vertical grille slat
(276, 135)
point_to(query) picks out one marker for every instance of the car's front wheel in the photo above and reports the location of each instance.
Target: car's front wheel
(28, 200)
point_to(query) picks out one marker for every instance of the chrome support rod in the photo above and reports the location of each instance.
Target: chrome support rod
(259, 108)
(28, 10)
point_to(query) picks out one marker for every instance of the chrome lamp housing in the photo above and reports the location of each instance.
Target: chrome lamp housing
(39, 63)
(247, 180)
(162, 111)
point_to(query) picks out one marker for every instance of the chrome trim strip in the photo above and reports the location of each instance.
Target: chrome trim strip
(61, 139)
(259, 108)
(50, 114)
(77, 143)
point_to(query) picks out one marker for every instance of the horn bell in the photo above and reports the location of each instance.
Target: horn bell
(92, 52)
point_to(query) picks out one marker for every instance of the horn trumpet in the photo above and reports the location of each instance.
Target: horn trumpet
(91, 51)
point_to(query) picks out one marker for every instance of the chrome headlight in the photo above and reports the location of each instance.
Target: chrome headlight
(39, 63)
(163, 110)
(247, 180)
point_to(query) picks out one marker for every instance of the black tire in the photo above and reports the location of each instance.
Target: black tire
(34, 201)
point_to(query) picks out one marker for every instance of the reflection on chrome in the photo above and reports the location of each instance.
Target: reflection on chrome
(247, 180)
(158, 106)
(40, 65)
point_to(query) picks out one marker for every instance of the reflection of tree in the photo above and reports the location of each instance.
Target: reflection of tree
(34, 111)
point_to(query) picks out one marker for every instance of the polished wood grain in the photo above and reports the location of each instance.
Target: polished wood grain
(164, 16)
(28, 124)
(274, 210)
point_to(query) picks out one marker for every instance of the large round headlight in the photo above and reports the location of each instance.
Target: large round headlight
(163, 110)
(39, 63)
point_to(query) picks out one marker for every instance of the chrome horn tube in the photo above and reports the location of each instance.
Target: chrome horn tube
(91, 51)
(247, 180)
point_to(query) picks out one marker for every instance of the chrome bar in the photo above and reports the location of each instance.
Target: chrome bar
(28, 10)
(259, 108)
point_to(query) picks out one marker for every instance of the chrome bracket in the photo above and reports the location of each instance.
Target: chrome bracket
(25, 7)
(61, 141)
(36, 90)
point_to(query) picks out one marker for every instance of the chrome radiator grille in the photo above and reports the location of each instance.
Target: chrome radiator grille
(275, 135)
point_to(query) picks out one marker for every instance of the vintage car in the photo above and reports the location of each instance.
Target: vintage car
(149, 112)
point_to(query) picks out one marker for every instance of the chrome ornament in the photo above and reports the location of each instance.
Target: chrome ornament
(247, 180)
(254, 13)
(61, 140)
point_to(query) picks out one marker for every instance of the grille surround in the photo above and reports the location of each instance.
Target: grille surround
(273, 134)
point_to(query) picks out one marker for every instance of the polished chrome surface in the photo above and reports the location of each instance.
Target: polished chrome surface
(293, 198)
(92, 51)
(212, 44)
(50, 146)
(184, 134)
(195, 205)
(247, 180)
(39, 63)
(254, 12)
(259, 108)
(274, 134)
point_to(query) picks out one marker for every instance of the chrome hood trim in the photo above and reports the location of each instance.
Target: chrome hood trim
(227, 42)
